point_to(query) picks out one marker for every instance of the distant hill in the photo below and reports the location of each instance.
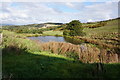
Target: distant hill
(54, 23)
(7, 24)
(49, 24)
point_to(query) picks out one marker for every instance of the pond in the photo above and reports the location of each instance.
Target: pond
(48, 38)
(56, 39)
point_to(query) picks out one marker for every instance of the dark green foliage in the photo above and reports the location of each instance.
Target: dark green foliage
(74, 28)
(73, 25)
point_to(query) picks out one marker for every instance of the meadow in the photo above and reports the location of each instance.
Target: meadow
(110, 27)
(25, 58)
(53, 33)
(19, 56)
(45, 65)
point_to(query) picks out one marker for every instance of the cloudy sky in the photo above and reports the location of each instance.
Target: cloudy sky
(40, 12)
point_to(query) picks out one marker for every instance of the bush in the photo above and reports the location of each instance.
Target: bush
(74, 28)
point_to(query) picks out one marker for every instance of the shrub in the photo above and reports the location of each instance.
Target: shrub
(74, 28)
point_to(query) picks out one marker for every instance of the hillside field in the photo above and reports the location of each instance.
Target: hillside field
(25, 58)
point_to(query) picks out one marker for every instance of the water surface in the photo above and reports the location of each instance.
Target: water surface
(48, 38)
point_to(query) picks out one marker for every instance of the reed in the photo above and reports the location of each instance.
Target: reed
(84, 52)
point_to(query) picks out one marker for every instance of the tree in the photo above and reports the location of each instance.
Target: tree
(74, 28)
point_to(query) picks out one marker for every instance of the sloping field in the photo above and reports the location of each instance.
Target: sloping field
(110, 27)
(108, 34)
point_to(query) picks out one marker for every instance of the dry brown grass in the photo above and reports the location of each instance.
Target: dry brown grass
(98, 42)
(108, 56)
(86, 52)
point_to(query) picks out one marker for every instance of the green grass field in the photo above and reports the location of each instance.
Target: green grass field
(84, 24)
(52, 33)
(45, 65)
(23, 60)
(108, 34)
(112, 26)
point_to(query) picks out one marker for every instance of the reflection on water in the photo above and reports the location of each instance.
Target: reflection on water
(48, 38)
(56, 39)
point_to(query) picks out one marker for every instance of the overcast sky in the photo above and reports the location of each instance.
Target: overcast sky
(40, 12)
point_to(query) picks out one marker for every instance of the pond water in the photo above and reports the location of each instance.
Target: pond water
(56, 39)
(48, 38)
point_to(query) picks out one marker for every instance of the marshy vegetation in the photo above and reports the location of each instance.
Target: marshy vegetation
(96, 55)
(84, 52)
(19, 56)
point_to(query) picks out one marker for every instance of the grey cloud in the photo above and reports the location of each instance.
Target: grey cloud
(27, 13)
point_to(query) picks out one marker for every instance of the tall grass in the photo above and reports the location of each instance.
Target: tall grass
(12, 40)
(85, 52)
(98, 42)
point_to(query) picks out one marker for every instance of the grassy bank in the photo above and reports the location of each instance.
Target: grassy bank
(110, 27)
(52, 33)
(18, 41)
(107, 35)
(31, 35)
(45, 33)
(45, 65)
(24, 58)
